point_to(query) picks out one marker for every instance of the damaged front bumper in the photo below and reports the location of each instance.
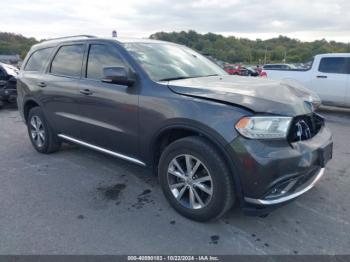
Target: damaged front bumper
(272, 173)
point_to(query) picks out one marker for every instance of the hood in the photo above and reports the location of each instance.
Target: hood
(260, 95)
(10, 70)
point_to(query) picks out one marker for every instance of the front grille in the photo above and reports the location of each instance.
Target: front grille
(305, 127)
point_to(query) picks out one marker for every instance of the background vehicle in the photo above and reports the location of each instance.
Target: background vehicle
(232, 69)
(162, 105)
(248, 71)
(278, 66)
(328, 76)
(8, 75)
(240, 70)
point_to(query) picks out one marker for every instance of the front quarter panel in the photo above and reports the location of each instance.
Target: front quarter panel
(161, 109)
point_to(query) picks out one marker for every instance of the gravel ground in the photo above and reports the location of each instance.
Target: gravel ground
(78, 201)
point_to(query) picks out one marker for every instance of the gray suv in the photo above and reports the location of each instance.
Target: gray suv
(212, 139)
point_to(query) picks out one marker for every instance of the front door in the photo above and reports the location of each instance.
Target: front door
(108, 112)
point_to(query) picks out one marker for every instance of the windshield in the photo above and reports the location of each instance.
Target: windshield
(164, 61)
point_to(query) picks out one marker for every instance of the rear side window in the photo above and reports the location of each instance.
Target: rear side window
(101, 56)
(335, 65)
(68, 61)
(38, 59)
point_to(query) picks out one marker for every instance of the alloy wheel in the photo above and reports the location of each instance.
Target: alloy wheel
(190, 181)
(37, 131)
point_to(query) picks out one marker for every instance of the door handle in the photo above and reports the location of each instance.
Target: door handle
(86, 92)
(41, 84)
(321, 76)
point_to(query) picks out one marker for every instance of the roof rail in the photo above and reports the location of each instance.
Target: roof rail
(72, 36)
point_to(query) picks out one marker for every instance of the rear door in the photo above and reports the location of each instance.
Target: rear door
(330, 80)
(59, 88)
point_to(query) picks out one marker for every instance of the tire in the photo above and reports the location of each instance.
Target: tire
(49, 142)
(218, 196)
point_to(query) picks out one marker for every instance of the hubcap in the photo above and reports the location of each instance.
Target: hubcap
(37, 131)
(190, 181)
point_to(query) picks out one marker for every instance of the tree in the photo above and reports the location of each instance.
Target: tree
(231, 49)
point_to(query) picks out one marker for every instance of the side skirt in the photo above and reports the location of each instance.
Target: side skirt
(103, 150)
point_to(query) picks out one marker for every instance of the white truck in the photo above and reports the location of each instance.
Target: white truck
(328, 76)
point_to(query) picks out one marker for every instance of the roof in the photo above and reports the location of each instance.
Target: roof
(335, 54)
(137, 40)
(55, 41)
(9, 57)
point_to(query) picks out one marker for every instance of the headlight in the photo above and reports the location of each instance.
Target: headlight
(264, 127)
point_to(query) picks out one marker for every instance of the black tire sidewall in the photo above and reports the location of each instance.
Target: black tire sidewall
(36, 111)
(216, 167)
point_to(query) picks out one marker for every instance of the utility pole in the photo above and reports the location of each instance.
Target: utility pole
(265, 55)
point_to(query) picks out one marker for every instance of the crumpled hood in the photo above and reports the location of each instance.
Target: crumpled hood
(260, 95)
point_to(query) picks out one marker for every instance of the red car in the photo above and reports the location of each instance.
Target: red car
(233, 69)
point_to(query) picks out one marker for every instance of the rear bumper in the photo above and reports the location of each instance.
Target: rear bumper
(272, 173)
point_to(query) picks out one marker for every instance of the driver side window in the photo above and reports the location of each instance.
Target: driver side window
(101, 56)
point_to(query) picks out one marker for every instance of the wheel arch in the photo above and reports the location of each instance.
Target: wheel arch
(27, 106)
(165, 136)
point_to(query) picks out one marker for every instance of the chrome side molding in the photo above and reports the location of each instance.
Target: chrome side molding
(287, 197)
(103, 150)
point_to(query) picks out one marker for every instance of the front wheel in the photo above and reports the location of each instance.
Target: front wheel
(195, 179)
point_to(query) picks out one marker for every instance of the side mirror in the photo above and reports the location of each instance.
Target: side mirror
(117, 75)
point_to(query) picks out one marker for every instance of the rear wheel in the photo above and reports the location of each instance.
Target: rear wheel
(41, 135)
(195, 179)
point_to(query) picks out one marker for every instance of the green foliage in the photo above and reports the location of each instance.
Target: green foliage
(233, 50)
(12, 44)
(229, 49)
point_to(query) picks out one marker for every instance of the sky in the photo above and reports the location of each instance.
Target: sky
(305, 20)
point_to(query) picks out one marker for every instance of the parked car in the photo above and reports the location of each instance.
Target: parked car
(232, 69)
(248, 71)
(212, 139)
(328, 76)
(240, 70)
(8, 76)
(278, 66)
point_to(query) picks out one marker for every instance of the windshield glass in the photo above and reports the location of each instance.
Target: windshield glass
(164, 61)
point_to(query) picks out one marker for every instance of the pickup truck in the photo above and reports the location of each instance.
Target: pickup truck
(328, 76)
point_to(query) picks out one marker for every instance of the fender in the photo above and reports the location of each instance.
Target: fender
(29, 99)
(215, 138)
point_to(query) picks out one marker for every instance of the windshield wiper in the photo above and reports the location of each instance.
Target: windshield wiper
(176, 78)
(209, 75)
(184, 77)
